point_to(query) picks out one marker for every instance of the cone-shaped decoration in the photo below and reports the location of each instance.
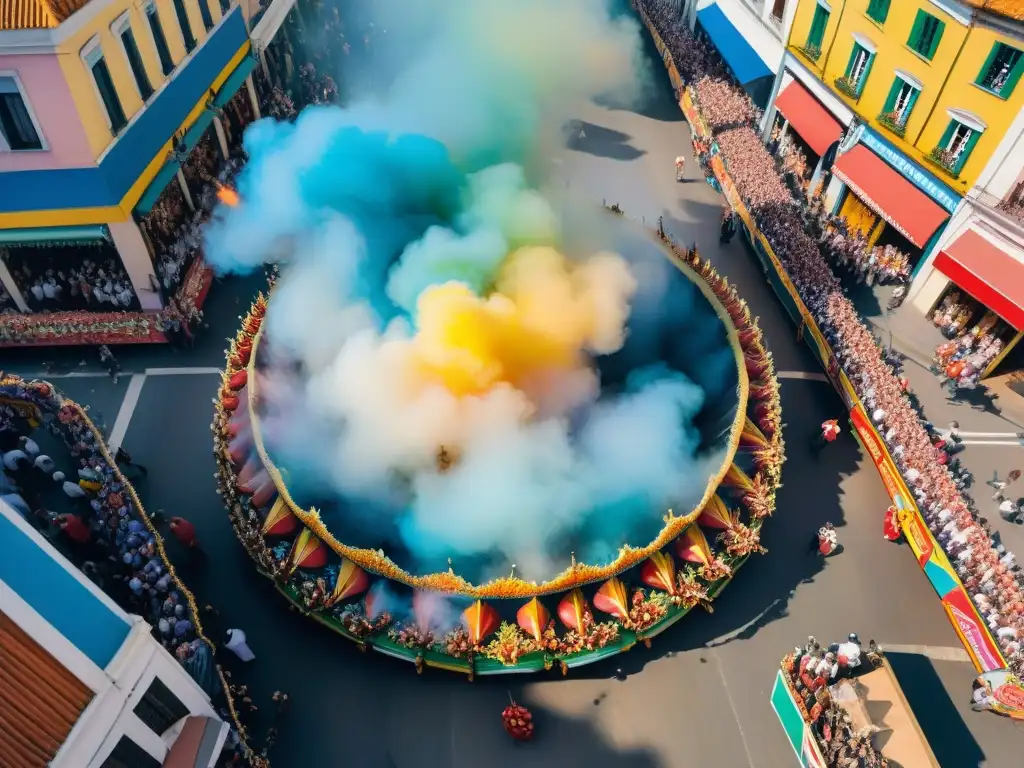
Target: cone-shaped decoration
(611, 598)
(228, 402)
(571, 609)
(307, 552)
(481, 620)
(715, 515)
(693, 547)
(659, 572)
(737, 478)
(533, 619)
(752, 436)
(280, 520)
(352, 581)
(238, 380)
(757, 363)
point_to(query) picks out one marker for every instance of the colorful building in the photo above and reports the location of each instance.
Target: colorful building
(921, 92)
(84, 684)
(101, 104)
(751, 37)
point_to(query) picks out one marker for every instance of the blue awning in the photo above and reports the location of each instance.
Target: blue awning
(159, 183)
(54, 235)
(234, 81)
(742, 59)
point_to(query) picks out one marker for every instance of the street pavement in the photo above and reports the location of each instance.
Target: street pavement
(699, 697)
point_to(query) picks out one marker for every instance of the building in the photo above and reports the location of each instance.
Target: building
(981, 255)
(922, 93)
(750, 35)
(82, 683)
(102, 103)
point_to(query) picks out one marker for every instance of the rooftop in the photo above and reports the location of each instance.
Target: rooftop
(1011, 9)
(36, 14)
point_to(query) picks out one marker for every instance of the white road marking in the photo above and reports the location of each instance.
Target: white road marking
(933, 652)
(804, 375)
(181, 371)
(124, 416)
(1009, 435)
(1015, 443)
(732, 706)
(100, 375)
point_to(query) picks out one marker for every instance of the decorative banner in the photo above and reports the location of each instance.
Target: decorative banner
(972, 630)
(1007, 693)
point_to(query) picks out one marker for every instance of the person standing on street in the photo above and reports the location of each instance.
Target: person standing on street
(122, 457)
(234, 641)
(110, 362)
(184, 532)
(680, 168)
(829, 432)
(728, 227)
(1002, 485)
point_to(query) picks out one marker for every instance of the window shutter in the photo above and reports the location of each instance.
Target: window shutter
(866, 72)
(915, 31)
(894, 92)
(1011, 81)
(971, 142)
(988, 64)
(853, 60)
(944, 141)
(911, 101)
(940, 27)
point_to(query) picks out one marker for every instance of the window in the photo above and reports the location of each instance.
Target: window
(856, 71)
(186, 30)
(159, 708)
(204, 12)
(1002, 70)
(16, 124)
(123, 30)
(128, 754)
(817, 33)
(92, 55)
(956, 145)
(157, 30)
(899, 105)
(926, 34)
(778, 9)
(878, 10)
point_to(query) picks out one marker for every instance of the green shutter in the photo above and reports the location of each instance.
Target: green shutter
(944, 141)
(867, 71)
(818, 26)
(911, 101)
(915, 31)
(940, 27)
(988, 63)
(890, 101)
(1011, 81)
(879, 10)
(965, 155)
(853, 60)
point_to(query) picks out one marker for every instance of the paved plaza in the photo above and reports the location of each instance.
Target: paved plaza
(699, 696)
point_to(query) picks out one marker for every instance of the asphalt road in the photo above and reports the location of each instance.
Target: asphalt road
(699, 697)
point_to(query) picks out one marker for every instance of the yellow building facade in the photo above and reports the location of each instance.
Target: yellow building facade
(935, 79)
(104, 33)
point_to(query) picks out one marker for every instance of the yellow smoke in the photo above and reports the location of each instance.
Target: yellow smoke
(543, 315)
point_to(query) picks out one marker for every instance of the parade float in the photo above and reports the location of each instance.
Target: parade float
(460, 618)
(843, 703)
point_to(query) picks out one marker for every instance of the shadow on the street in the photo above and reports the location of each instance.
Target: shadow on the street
(950, 738)
(604, 142)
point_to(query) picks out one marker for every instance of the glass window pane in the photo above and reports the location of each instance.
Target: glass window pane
(108, 94)
(15, 122)
(135, 62)
(166, 62)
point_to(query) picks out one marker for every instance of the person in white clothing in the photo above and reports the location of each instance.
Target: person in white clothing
(12, 459)
(680, 167)
(71, 490)
(235, 642)
(45, 464)
(29, 446)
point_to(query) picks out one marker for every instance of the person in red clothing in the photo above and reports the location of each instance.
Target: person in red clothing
(891, 526)
(184, 532)
(76, 530)
(829, 432)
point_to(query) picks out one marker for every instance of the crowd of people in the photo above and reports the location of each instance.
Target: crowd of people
(782, 220)
(962, 360)
(95, 283)
(810, 670)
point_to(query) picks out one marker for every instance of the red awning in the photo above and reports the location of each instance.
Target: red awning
(988, 273)
(808, 118)
(895, 199)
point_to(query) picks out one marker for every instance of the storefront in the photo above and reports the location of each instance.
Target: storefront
(973, 292)
(802, 121)
(887, 197)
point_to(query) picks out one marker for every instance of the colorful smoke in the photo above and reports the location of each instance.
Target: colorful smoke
(433, 360)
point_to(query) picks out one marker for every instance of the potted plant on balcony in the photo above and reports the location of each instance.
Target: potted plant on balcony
(848, 87)
(894, 122)
(945, 159)
(812, 51)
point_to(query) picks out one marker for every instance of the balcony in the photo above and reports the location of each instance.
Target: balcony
(893, 122)
(947, 161)
(811, 51)
(849, 87)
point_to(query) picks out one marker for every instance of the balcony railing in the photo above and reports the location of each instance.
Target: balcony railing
(811, 51)
(894, 123)
(849, 87)
(946, 160)
(1012, 205)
